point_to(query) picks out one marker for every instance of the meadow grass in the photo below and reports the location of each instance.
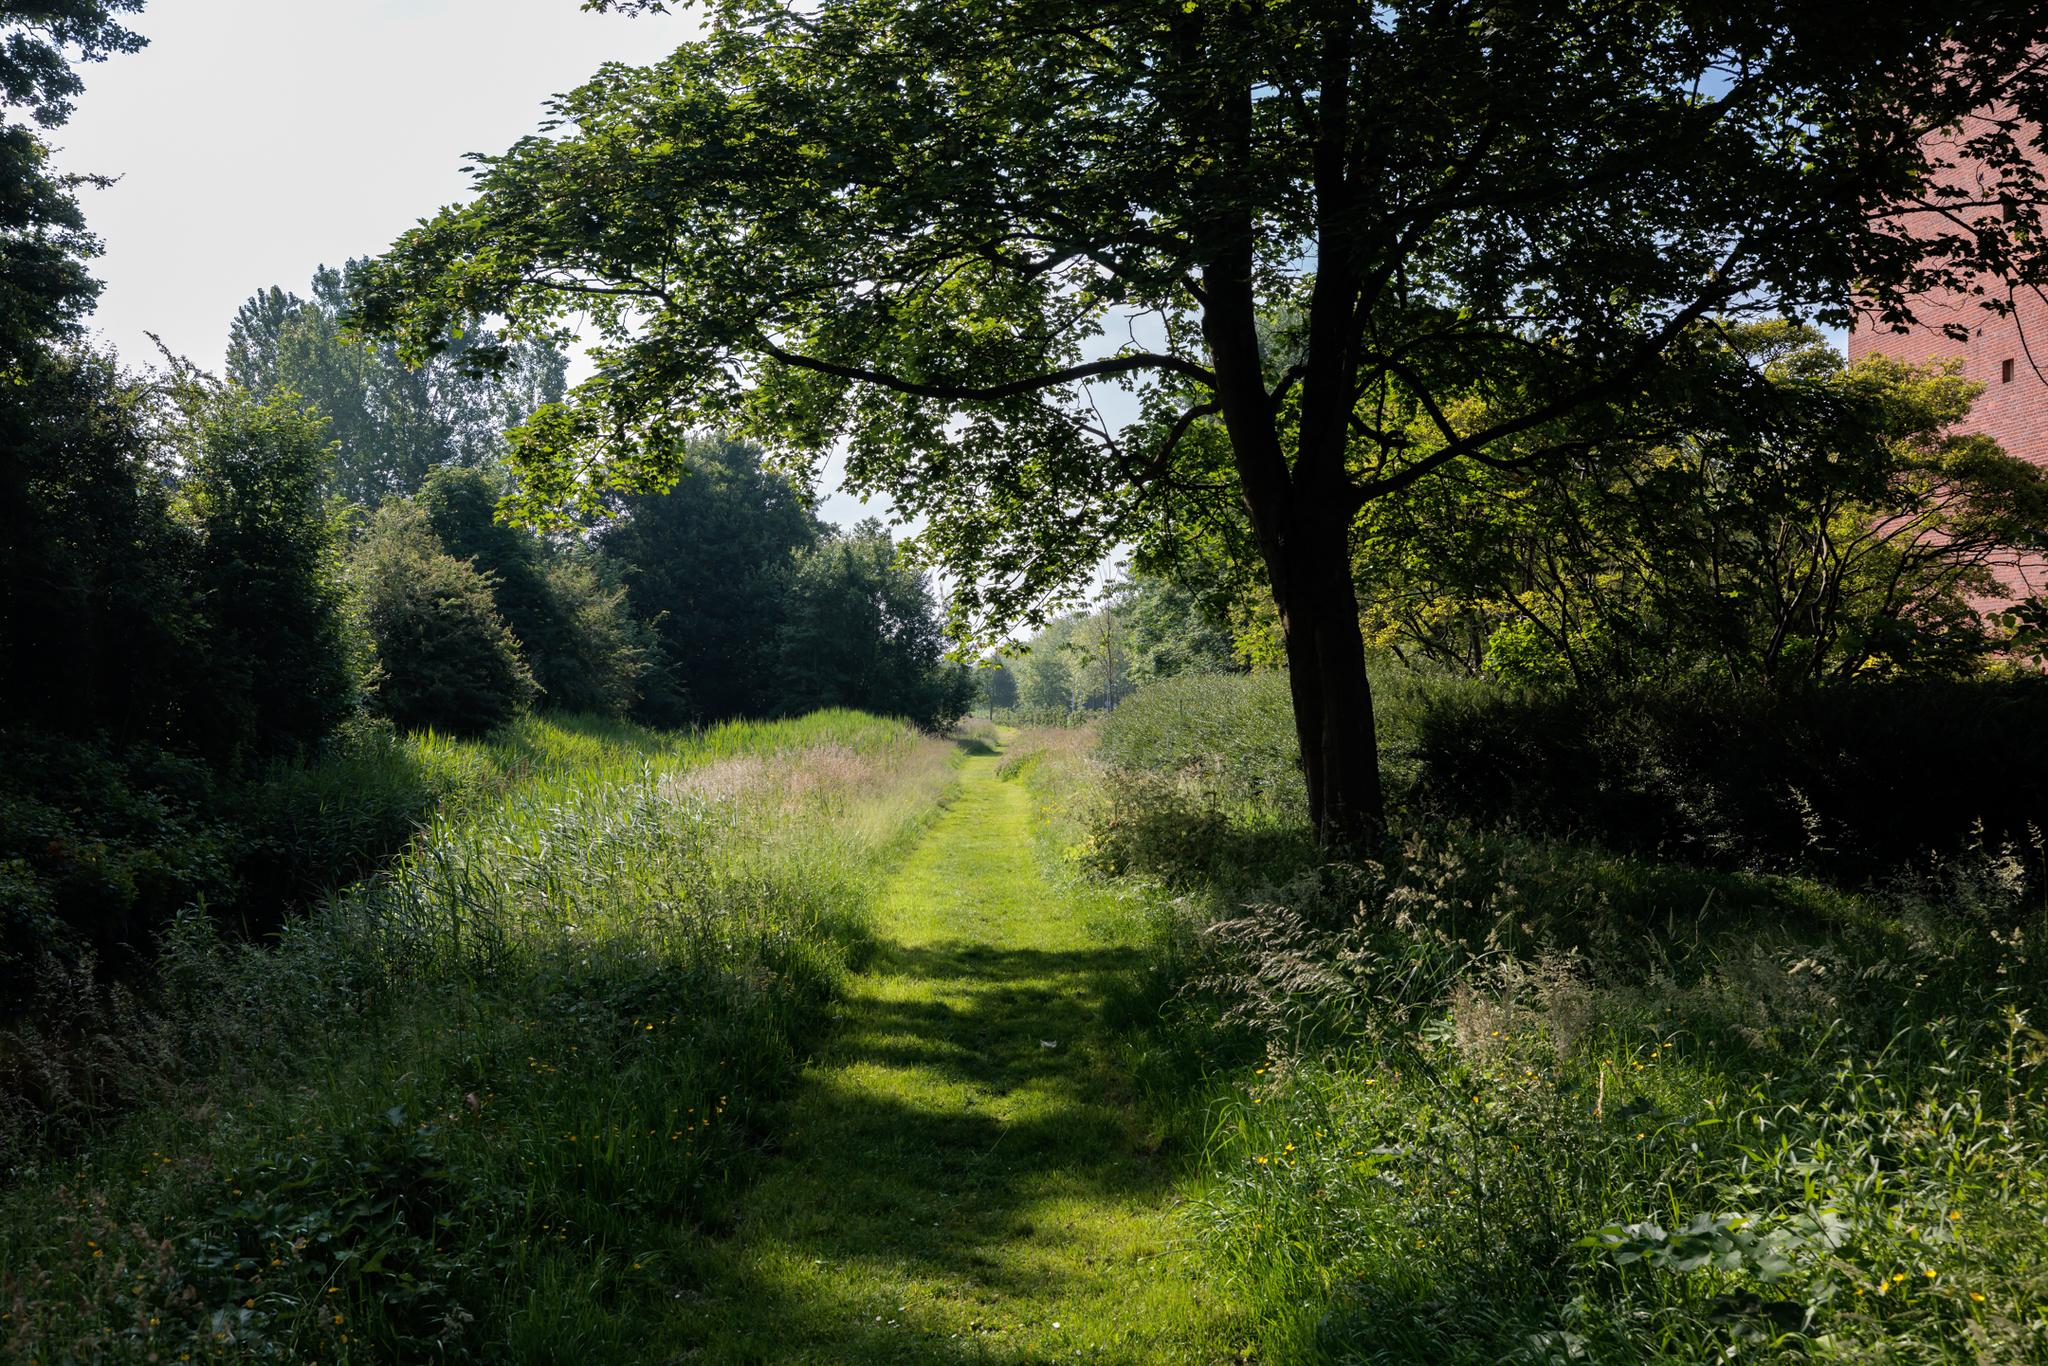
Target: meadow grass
(488, 1104)
(1494, 1098)
(964, 1177)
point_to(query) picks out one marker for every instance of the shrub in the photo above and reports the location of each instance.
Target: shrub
(278, 673)
(575, 634)
(601, 653)
(444, 658)
(1855, 780)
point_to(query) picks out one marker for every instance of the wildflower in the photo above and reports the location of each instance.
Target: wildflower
(1973, 1295)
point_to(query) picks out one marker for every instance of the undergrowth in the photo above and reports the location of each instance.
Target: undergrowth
(480, 1107)
(1492, 1098)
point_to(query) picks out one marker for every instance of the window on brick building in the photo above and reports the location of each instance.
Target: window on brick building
(2005, 372)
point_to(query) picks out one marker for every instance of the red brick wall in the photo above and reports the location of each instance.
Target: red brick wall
(2012, 411)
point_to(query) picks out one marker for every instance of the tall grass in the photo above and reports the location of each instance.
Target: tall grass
(485, 1105)
(1499, 1098)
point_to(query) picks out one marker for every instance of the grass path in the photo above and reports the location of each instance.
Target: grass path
(960, 1182)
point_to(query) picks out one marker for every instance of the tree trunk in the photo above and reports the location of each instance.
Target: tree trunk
(1333, 707)
(1301, 510)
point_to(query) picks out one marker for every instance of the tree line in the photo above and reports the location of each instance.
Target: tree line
(210, 582)
(1382, 255)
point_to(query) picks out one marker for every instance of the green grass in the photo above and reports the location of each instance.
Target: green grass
(962, 1178)
(490, 1105)
(1495, 1098)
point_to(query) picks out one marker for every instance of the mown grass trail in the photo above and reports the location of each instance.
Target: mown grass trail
(960, 1182)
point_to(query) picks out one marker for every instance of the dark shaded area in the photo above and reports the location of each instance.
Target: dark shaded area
(1852, 781)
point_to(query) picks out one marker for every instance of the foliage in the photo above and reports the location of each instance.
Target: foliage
(1493, 1098)
(102, 846)
(604, 652)
(484, 1108)
(861, 629)
(392, 423)
(998, 683)
(927, 230)
(1801, 521)
(586, 654)
(1852, 782)
(1046, 670)
(265, 572)
(1172, 630)
(99, 630)
(1855, 780)
(444, 658)
(44, 243)
(708, 563)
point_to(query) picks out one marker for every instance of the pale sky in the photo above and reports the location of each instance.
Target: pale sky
(257, 139)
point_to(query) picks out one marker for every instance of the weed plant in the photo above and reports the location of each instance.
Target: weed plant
(1498, 1098)
(482, 1106)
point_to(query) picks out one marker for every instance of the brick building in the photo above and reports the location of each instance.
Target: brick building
(2006, 353)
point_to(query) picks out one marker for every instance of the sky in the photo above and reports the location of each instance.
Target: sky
(257, 139)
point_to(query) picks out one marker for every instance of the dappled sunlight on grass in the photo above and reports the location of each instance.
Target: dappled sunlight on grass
(962, 1179)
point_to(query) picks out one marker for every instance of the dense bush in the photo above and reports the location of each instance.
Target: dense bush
(1856, 781)
(265, 578)
(444, 658)
(98, 627)
(101, 847)
(575, 633)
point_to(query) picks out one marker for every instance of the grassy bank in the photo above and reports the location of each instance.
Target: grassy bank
(1500, 1098)
(482, 1106)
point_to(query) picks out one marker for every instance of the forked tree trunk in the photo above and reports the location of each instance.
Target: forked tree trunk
(1302, 521)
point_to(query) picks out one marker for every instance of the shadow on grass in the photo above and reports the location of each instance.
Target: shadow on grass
(935, 1162)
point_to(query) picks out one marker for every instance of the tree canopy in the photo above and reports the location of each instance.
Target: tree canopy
(44, 243)
(1288, 230)
(391, 423)
(1799, 520)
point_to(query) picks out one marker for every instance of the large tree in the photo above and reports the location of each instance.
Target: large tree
(391, 423)
(44, 243)
(938, 232)
(708, 563)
